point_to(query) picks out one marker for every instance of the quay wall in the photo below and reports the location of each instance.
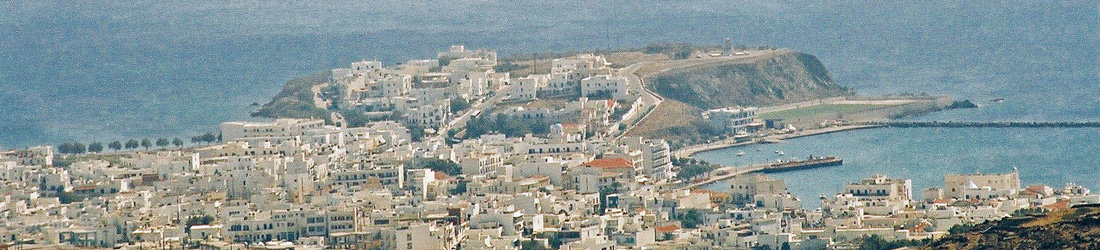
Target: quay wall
(1002, 124)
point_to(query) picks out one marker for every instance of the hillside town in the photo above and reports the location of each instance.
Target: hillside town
(453, 154)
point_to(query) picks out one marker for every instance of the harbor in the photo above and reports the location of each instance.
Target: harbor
(725, 173)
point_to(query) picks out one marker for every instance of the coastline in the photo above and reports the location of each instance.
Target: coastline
(729, 143)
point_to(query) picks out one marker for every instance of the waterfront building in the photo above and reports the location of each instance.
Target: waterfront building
(733, 119)
(283, 127)
(981, 186)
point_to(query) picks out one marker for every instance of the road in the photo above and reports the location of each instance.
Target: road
(730, 172)
(479, 107)
(650, 99)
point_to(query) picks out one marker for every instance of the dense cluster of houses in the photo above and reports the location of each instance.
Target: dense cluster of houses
(302, 183)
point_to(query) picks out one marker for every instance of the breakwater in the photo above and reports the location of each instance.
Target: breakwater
(1002, 124)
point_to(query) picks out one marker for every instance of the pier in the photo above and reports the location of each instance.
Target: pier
(774, 167)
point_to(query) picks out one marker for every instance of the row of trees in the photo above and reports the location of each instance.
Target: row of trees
(510, 126)
(96, 147)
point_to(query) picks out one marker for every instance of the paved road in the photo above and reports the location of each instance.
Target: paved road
(730, 173)
(652, 99)
(649, 98)
(481, 106)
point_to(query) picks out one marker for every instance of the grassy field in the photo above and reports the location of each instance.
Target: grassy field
(821, 110)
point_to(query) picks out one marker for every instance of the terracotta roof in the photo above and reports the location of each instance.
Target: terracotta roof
(942, 200)
(441, 176)
(703, 190)
(667, 228)
(1062, 204)
(610, 163)
(1036, 189)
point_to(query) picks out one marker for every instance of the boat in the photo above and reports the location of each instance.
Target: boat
(740, 153)
(999, 100)
(779, 152)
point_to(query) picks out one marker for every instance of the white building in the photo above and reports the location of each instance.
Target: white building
(735, 119)
(364, 67)
(283, 127)
(526, 88)
(395, 85)
(966, 186)
(613, 86)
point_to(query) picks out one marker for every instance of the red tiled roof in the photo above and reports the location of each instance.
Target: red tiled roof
(1036, 189)
(1062, 204)
(667, 228)
(610, 163)
(701, 190)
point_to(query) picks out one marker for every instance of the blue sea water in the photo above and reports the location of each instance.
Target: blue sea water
(114, 70)
(1044, 156)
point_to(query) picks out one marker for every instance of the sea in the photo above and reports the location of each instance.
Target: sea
(115, 70)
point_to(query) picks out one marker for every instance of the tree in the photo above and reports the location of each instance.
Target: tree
(198, 220)
(145, 143)
(445, 166)
(177, 141)
(116, 145)
(875, 242)
(960, 228)
(416, 131)
(132, 144)
(65, 148)
(161, 142)
(209, 137)
(460, 187)
(196, 139)
(531, 245)
(95, 147)
(691, 219)
(79, 148)
(459, 104)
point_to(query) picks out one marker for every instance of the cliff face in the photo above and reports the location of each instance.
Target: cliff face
(782, 78)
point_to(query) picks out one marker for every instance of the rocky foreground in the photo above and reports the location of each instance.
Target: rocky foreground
(1074, 228)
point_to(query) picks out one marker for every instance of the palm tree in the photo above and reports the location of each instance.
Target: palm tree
(177, 141)
(161, 142)
(146, 143)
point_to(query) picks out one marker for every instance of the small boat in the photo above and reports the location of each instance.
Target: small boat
(779, 152)
(999, 100)
(758, 150)
(740, 153)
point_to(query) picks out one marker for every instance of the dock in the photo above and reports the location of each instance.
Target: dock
(1001, 124)
(800, 165)
(773, 167)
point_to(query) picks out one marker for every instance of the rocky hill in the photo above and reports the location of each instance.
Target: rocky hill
(1074, 228)
(782, 77)
(295, 100)
(770, 78)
